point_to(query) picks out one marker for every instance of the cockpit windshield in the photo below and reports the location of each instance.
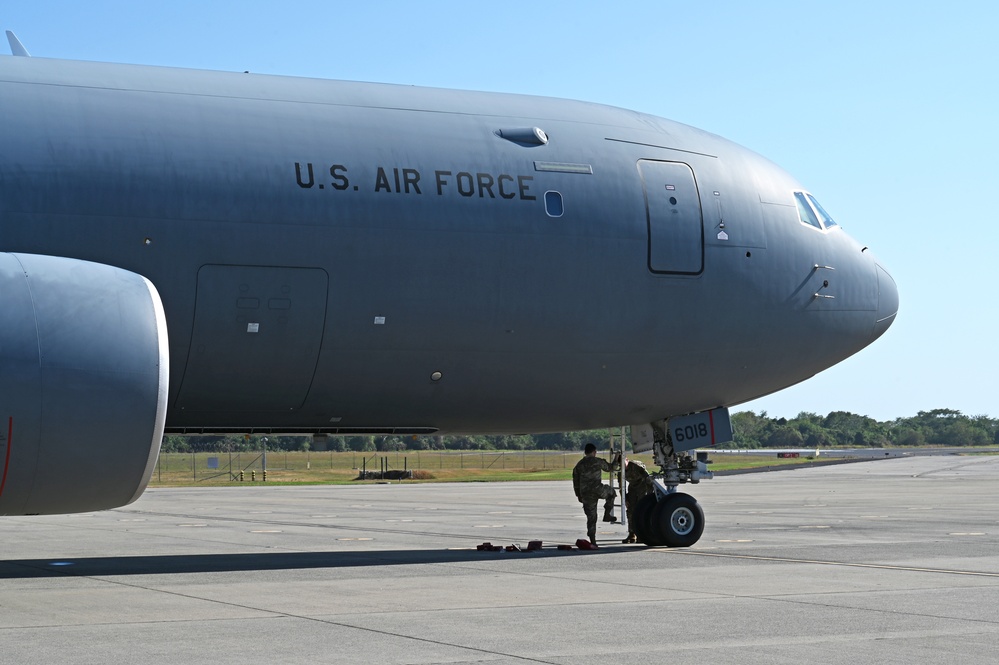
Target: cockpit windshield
(811, 213)
(827, 221)
(805, 212)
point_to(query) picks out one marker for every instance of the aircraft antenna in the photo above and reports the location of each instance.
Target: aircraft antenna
(16, 47)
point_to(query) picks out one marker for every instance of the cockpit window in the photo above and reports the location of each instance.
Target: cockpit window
(811, 213)
(805, 212)
(827, 221)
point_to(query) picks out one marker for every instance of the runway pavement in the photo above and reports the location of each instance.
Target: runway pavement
(888, 561)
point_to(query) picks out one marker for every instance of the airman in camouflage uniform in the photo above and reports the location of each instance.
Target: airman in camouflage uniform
(587, 477)
(639, 484)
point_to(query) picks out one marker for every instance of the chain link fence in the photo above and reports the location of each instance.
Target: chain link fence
(320, 466)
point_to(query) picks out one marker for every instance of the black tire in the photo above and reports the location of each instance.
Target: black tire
(677, 521)
(641, 519)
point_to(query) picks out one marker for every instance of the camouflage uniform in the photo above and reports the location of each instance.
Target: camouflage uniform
(639, 484)
(587, 483)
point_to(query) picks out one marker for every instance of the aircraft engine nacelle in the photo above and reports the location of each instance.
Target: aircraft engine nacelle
(83, 384)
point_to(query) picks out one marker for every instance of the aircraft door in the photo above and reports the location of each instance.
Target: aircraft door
(257, 335)
(673, 209)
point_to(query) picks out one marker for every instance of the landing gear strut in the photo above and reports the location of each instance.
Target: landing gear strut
(665, 516)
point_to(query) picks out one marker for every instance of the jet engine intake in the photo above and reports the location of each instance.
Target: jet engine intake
(83, 384)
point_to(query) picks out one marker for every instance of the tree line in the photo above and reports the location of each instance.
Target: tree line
(556, 441)
(939, 427)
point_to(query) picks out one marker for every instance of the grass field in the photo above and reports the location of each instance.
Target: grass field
(189, 469)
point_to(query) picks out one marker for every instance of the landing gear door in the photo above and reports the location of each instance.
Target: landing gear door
(696, 430)
(700, 430)
(673, 209)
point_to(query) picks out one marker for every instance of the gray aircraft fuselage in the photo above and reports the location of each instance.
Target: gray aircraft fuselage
(353, 257)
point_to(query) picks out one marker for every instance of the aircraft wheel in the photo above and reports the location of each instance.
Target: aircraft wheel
(641, 519)
(677, 521)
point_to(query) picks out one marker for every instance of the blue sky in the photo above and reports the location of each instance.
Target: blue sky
(886, 111)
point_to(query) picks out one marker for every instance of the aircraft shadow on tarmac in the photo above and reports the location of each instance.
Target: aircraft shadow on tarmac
(248, 562)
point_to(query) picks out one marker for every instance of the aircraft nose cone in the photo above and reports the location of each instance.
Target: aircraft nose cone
(887, 302)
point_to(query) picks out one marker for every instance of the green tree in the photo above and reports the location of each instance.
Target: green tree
(361, 444)
(785, 436)
(750, 430)
(907, 436)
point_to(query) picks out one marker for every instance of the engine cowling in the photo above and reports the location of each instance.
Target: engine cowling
(84, 370)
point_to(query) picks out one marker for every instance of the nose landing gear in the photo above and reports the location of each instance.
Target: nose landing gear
(675, 521)
(665, 516)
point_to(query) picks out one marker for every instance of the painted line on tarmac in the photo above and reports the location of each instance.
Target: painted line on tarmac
(845, 564)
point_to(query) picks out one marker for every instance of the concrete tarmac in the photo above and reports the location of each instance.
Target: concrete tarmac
(888, 561)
